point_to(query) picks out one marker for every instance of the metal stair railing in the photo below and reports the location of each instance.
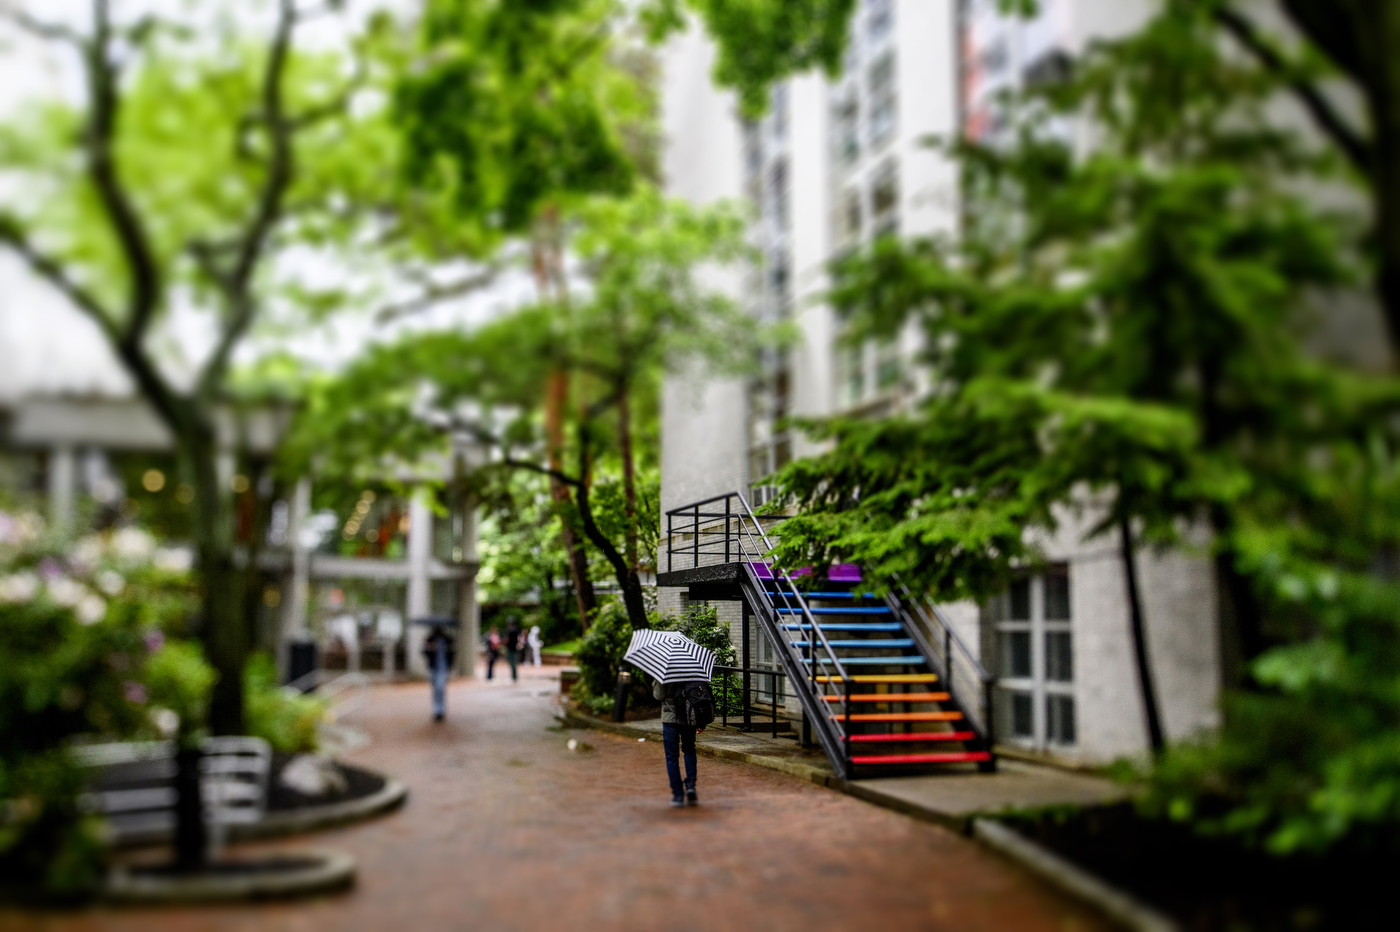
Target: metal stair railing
(744, 540)
(816, 708)
(947, 652)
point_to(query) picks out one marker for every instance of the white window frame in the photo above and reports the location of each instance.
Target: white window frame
(1038, 684)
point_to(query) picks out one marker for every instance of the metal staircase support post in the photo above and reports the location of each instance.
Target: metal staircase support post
(744, 637)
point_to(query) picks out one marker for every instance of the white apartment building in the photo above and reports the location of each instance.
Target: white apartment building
(833, 164)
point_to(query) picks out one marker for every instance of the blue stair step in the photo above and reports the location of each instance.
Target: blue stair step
(823, 595)
(850, 626)
(892, 661)
(870, 644)
(854, 610)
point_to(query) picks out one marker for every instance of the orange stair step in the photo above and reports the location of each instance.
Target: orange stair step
(893, 697)
(902, 717)
(953, 757)
(917, 736)
(884, 678)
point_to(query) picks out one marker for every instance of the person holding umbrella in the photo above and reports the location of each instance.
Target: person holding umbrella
(682, 670)
(438, 652)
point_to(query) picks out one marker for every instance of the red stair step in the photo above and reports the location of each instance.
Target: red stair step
(920, 736)
(956, 757)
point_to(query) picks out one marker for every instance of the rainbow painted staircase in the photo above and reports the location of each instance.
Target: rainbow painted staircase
(884, 684)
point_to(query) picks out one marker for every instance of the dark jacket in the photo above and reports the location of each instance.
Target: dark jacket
(430, 648)
(511, 639)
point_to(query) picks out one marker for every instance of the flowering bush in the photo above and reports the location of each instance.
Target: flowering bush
(84, 653)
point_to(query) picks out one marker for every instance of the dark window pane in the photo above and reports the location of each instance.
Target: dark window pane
(1059, 657)
(1021, 600)
(1022, 724)
(1015, 650)
(995, 609)
(1060, 719)
(1057, 596)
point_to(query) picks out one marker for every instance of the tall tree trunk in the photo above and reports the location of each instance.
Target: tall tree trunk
(627, 577)
(1150, 711)
(223, 630)
(556, 399)
(629, 479)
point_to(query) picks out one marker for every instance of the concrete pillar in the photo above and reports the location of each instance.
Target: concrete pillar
(469, 611)
(63, 469)
(420, 554)
(299, 593)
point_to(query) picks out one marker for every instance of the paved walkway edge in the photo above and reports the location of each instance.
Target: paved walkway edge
(1114, 903)
(1072, 879)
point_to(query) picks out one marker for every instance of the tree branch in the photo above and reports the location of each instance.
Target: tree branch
(46, 267)
(103, 77)
(562, 477)
(54, 32)
(1352, 143)
(242, 307)
(434, 293)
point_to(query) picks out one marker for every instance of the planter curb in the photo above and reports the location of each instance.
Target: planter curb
(1071, 878)
(314, 818)
(334, 871)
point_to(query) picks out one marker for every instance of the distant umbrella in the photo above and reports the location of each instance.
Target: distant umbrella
(669, 656)
(436, 621)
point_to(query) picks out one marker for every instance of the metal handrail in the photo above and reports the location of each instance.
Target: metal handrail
(743, 540)
(947, 628)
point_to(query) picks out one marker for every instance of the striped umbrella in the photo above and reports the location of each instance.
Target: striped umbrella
(669, 656)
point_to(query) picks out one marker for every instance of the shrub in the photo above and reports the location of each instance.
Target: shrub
(82, 650)
(599, 653)
(283, 718)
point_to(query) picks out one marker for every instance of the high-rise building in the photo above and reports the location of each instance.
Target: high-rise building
(833, 164)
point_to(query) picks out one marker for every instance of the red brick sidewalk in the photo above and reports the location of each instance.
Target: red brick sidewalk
(507, 829)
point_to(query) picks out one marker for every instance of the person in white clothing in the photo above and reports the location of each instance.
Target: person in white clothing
(535, 642)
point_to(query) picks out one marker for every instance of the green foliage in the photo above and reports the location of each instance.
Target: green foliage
(762, 41)
(514, 106)
(284, 719)
(1119, 333)
(599, 654)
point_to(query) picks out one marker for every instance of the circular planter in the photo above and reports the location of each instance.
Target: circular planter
(275, 876)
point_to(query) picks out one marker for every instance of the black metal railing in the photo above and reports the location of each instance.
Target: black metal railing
(745, 706)
(725, 529)
(951, 657)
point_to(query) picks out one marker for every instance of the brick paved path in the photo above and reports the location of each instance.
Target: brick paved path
(507, 829)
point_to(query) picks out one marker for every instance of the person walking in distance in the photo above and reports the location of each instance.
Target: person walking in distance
(438, 652)
(535, 642)
(493, 651)
(677, 738)
(512, 645)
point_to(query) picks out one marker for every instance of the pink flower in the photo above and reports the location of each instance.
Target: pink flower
(135, 692)
(154, 641)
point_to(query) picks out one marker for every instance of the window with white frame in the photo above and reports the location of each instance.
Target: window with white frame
(1028, 636)
(881, 91)
(847, 127)
(879, 19)
(849, 219)
(884, 200)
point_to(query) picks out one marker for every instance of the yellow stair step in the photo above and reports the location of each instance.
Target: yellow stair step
(884, 678)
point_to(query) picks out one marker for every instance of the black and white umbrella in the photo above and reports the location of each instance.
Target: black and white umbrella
(669, 656)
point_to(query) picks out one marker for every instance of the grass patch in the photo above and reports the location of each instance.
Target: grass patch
(568, 647)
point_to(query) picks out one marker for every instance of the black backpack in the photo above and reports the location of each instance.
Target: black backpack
(695, 704)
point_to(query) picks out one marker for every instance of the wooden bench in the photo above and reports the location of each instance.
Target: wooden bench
(133, 786)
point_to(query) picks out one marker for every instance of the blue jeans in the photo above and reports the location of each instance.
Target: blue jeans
(439, 685)
(675, 739)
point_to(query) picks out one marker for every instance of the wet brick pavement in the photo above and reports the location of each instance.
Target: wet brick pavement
(507, 829)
